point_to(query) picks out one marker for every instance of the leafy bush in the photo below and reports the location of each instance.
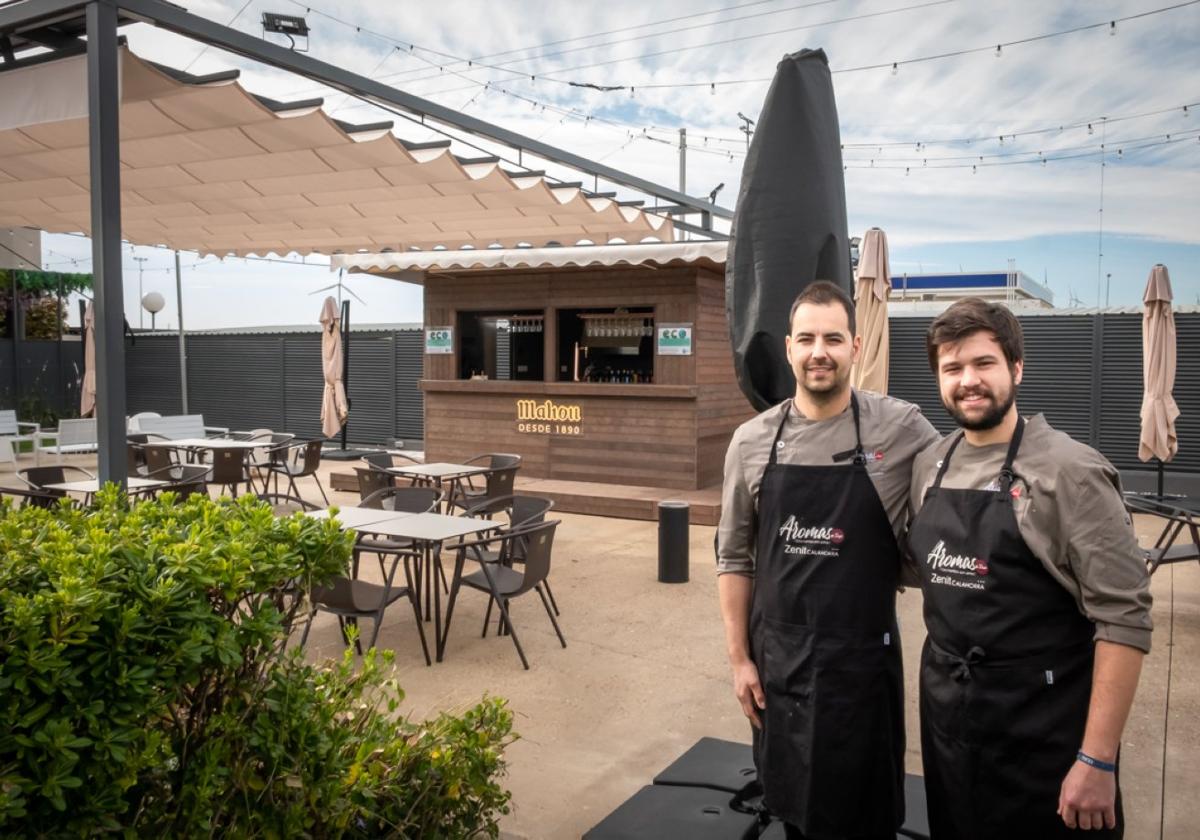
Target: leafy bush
(144, 689)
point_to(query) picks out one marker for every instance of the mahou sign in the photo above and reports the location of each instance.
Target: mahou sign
(548, 418)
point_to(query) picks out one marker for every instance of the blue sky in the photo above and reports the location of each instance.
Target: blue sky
(1044, 217)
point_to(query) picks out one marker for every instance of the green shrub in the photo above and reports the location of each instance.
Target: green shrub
(144, 689)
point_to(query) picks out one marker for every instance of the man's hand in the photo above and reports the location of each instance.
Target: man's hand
(1088, 798)
(748, 690)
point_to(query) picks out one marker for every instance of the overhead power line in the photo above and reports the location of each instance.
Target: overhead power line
(1109, 24)
(1186, 109)
(1108, 150)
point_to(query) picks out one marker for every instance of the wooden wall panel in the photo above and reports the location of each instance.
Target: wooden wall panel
(721, 406)
(622, 440)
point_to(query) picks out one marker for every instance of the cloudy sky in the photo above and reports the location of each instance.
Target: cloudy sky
(913, 137)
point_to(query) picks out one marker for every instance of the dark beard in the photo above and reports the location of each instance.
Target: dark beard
(990, 420)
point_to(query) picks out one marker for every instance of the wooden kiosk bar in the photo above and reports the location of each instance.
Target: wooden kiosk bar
(602, 364)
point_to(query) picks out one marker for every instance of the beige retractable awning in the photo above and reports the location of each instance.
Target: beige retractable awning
(412, 265)
(209, 167)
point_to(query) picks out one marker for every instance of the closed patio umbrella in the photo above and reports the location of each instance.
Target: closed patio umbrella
(870, 303)
(1159, 410)
(87, 391)
(333, 403)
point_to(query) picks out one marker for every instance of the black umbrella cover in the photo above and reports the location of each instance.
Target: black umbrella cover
(789, 227)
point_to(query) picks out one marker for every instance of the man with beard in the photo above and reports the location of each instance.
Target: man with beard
(1036, 601)
(815, 495)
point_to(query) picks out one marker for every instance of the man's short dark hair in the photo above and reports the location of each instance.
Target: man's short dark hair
(970, 315)
(823, 293)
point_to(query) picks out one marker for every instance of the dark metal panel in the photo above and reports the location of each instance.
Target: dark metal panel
(1187, 392)
(235, 381)
(304, 384)
(8, 386)
(17, 16)
(410, 401)
(370, 389)
(909, 377)
(1058, 372)
(152, 376)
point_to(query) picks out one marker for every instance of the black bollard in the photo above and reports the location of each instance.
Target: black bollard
(673, 542)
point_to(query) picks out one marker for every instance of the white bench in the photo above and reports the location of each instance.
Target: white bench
(179, 426)
(71, 437)
(11, 434)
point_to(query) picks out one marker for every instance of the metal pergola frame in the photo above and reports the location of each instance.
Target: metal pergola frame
(38, 21)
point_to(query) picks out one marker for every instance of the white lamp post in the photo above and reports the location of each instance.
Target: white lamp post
(153, 303)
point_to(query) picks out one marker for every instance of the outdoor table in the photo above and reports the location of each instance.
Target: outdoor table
(1178, 513)
(440, 473)
(358, 518)
(193, 444)
(430, 530)
(90, 486)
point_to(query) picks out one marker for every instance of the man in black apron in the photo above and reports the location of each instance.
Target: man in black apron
(812, 634)
(1032, 657)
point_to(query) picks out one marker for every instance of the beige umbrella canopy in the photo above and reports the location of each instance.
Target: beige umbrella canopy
(870, 301)
(333, 404)
(87, 391)
(1159, 410)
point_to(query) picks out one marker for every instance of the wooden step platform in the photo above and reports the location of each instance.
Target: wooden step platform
(623, 501)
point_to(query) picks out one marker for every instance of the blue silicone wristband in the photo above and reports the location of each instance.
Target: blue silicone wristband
(1095, 762)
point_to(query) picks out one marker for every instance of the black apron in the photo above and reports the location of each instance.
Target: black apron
(823, 635)
(1006, 671)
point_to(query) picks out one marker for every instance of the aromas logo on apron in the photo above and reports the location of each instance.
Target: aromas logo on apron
(962, 571)
(811, 540)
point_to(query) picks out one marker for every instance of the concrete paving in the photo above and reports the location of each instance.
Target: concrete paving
(644, 676)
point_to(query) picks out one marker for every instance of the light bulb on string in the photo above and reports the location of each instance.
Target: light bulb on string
(1112, 28)
(1090, 129)
(997, 51)
(895, 67)
(973, 169)
(712, 89)
(906, 170)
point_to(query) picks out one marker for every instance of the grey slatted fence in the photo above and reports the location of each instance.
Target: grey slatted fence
(1084, 372)
(274, 380)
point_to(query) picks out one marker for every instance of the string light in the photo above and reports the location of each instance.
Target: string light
(895, 68)
(1112, 28)
(997, 50)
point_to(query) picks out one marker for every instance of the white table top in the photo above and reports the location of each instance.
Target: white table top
(92, 485)
(428, 527)
(212, 443)
(352, 516)
(437, 470)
